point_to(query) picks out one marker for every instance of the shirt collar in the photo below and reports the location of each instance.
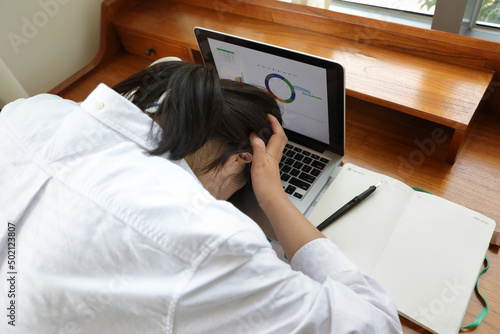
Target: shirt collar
(121, 115)
(126, 118)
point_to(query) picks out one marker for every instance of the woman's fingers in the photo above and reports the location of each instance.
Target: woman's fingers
(265, 173)
(274, 147)
(278, 140)
(259, 149)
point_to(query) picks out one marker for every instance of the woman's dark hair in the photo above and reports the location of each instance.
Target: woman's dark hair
(199, 107)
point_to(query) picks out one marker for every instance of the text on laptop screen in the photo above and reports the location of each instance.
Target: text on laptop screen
(300, 89)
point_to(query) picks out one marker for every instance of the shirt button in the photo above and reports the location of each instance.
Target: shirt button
(99, 105)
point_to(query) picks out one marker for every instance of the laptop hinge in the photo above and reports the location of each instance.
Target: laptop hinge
(305, 141)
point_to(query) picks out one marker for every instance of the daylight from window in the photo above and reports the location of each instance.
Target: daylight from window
(414, 6)
(489, 14)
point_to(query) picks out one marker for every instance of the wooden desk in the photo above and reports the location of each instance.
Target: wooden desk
(474, 180)
(381, 139)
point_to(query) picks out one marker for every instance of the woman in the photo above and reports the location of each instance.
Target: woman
(117, 210)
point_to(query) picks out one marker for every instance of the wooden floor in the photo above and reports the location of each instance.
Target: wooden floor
(406, 148)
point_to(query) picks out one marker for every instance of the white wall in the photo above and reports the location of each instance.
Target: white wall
(10, 88)
(43, 42)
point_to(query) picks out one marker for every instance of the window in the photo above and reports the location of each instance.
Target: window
(475, 18)
(413, 6)
(489, 13)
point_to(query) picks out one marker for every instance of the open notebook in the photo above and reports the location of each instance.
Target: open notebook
(425, 250)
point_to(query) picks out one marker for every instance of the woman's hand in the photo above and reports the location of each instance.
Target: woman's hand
(265, 172)
(292, 229)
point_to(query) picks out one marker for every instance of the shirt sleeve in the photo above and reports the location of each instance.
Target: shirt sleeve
(244, 288)
(322, 260)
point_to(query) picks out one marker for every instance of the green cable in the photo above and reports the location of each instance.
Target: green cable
(480, 317)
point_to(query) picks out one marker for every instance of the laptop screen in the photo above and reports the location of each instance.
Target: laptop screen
(309, 90)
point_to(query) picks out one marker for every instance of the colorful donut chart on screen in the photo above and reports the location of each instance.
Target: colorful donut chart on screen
(285, 81)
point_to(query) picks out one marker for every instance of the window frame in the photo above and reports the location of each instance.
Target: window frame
(462, 21)
(472, 29)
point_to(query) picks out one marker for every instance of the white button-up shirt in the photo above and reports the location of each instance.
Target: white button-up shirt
(98, 236)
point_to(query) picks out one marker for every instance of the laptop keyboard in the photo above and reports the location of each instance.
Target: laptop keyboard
(299, 169)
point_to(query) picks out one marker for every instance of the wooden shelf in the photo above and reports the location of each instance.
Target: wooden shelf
(445, 93)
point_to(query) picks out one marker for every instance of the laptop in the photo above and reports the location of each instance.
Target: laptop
(310, 91)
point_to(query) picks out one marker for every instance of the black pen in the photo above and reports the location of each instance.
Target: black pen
(351, 204)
